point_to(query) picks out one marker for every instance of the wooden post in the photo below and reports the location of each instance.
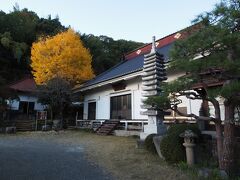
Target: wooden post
(76, 118)
(126, 125)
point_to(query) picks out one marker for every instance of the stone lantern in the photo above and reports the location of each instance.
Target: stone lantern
(189, 136)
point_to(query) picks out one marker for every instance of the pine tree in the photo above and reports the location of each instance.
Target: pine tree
(211, 59)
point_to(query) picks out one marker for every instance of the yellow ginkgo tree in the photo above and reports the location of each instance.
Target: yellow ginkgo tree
(62, 56)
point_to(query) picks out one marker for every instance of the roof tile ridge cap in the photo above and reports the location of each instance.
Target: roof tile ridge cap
(128, 53)
(157, 48)
(149, 43)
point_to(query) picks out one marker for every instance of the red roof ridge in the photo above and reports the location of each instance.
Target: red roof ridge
(161, 42)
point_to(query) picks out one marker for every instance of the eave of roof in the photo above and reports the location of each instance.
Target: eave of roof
(121, 69)
(109, 81)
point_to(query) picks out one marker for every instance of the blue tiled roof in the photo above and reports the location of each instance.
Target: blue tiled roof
(125, 67)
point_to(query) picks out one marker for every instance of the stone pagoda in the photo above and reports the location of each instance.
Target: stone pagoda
(154, 72)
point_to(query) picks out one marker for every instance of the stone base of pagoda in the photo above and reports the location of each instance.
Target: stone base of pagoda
(155, 126)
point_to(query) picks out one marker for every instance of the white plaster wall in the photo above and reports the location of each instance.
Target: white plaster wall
(37, 106)
(103, 107)
(222, 109)
(193, 106)
(102, 97)
(174, 75)
(103, 94)
(14, 105)
(85, 108)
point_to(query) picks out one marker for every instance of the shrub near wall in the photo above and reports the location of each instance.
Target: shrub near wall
(171, 145)
(149, 144)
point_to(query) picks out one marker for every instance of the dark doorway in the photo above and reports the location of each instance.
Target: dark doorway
(80, 112)
(26, 107)
(92, 111)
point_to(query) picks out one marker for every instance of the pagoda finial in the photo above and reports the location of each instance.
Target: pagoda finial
(153, 50)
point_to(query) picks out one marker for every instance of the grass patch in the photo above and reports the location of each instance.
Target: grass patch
(118, 156)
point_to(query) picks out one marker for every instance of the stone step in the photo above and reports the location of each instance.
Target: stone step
(107, 127)
(24, 125)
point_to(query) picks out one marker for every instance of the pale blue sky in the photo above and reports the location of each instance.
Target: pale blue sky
(136, 20)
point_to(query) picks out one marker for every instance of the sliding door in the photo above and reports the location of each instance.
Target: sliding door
(121, 107)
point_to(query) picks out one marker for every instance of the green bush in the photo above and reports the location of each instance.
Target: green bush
(149, 144)
(171, 145)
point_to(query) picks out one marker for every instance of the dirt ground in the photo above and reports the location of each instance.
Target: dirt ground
(116, 155)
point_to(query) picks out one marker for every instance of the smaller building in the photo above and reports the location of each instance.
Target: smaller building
(27, 102)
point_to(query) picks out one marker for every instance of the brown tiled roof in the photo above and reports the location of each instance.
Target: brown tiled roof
(26, 84)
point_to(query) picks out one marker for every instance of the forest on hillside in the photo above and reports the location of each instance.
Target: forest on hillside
(20, 28)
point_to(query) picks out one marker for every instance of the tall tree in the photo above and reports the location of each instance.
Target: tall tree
(106, 51)
(18, 30)
(21, 24)
(211, 58)
(49, 26)
(61, 56)
(21, 27)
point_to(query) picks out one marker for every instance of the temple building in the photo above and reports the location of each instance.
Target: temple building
(118, 92)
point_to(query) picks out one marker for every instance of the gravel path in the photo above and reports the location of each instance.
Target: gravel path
(31, 158)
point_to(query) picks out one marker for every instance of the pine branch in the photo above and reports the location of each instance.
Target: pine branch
(202, 118)
(195, 96)
(216, 107)
(190, 94)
